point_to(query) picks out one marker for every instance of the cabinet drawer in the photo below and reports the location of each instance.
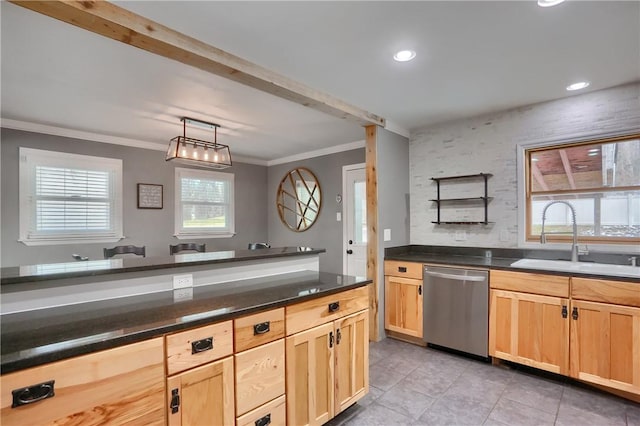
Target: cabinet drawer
(403, 269)
(260, 376)
(258, 329)
(273, 413)
(616, 292)
(121, 385)
(192, 348)
(546, 285)
(305, 315)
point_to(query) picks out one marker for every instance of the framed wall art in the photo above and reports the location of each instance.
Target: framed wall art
(149, 196)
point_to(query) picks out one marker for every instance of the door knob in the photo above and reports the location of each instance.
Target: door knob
(349, 251)
(350, 241)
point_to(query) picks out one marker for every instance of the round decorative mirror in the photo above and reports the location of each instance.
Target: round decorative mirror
(299, 199)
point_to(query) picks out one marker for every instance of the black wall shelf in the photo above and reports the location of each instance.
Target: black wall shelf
(481, 199)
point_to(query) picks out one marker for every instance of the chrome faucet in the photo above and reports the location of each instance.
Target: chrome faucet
(574, 244)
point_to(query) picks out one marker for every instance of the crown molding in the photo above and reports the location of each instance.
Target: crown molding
(318, 153)
(78, 134)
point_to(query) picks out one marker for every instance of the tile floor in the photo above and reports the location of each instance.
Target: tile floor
(411, 385)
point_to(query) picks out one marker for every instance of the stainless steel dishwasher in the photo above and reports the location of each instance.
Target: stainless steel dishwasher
(456, 309)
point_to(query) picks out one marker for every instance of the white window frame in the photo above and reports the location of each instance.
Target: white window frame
(195, 233)
(29, 159)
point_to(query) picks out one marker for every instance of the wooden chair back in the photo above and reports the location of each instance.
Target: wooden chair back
(173, 249)
(110, 252)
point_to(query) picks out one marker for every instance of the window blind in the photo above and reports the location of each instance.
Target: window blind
(72, 200)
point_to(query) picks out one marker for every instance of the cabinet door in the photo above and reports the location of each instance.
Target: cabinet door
(124, 385)
(203, 395)
(403, 305)
(352, 359)
(530, 329)
(605, 345)
(310, 377)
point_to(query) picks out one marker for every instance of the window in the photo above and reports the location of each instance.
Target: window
(204, 204)
(600, 179)
(69, 198)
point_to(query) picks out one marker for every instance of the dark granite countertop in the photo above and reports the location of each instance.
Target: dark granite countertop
(500, 258)
(41, 272)
(38, 337)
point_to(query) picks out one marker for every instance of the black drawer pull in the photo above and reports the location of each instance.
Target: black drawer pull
(261, 328)
(402, 269)
(264, 421)
(202, 345)
(32, 394)
(334, 306)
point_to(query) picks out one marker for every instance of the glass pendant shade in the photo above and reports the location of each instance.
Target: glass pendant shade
(198, 152)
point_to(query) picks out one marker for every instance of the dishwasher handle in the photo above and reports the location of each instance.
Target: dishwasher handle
(456, 277)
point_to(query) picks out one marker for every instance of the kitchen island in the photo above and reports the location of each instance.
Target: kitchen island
(233, 332)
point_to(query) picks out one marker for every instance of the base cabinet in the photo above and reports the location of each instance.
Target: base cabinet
(203, 395)
(124, 385)
(530, 329)
(327, 369)
(605, 345)
(403, 305)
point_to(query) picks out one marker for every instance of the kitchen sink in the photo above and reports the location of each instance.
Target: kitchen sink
(580, 267)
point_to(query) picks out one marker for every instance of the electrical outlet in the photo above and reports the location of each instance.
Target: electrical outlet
(460, 236)
(183, 294)
(182, 281)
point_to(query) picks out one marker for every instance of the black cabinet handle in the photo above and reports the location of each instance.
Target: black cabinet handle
(331, 339)
(261, 328)
(564, 311)
(264, 421)
(202, 345)
(574, 313)
(334, 306)
(420, 290)
(175, 401)
(402, 269)
(338, 336)
(31, 394)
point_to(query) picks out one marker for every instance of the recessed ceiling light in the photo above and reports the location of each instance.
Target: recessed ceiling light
(404, 55)
(549, 3)
(578, 86)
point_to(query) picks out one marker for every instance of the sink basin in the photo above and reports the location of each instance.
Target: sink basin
(580, 267)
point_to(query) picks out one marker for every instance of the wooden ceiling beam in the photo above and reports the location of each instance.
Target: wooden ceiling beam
(109, 20)
(535, 171)
(567, 168)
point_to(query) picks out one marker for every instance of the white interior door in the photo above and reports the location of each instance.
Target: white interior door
(354, 190)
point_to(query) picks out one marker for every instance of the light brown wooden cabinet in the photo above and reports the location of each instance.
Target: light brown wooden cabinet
(605, 337)
(530, 329)
(203, 395)
(327, 365)
(117, 386)
(574, 333)
(403, 298)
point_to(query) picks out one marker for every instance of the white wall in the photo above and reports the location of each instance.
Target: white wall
(488, 143)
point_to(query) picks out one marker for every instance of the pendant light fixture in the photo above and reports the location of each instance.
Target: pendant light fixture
(198, 152)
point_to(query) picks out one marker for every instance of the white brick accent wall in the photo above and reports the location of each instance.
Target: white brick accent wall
(489, 143)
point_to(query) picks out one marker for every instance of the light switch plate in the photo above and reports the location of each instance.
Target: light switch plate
(387, 234)
(338, 216)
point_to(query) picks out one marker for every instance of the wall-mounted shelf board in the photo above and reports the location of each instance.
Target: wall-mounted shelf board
(483, 199)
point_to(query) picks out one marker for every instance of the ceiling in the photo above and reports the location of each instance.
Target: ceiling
(472, 58)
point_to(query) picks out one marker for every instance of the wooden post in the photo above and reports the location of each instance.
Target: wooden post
(372, 229)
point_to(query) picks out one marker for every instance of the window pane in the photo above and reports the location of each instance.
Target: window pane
(360, 212)
(598, 165)
(600, 214)
(60, 182)
(204, 216)
(204, 190)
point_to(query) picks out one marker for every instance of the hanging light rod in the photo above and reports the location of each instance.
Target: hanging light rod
(197, 151)
(199, 123)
